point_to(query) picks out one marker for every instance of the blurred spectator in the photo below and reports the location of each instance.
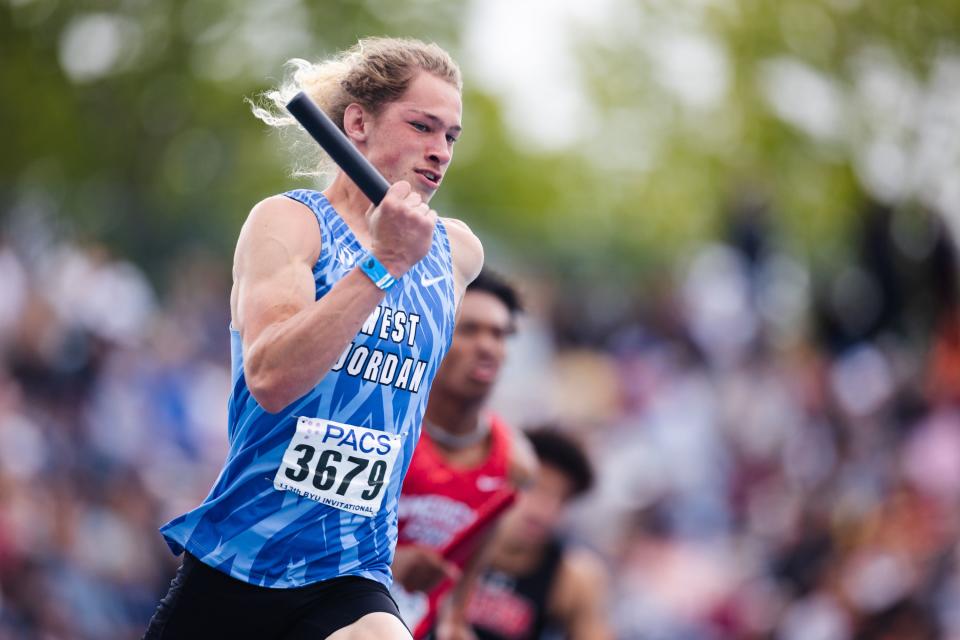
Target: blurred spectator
(777, 452)
(105, 421)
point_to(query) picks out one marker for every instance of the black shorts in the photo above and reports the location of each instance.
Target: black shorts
(205, 603)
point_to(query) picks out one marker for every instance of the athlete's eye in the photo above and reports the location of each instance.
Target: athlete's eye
(451, 139)
(467, 329)
(419, 126)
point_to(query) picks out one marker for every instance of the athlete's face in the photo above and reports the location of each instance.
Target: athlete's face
(539, 507)
(479, 347)
(412, 138)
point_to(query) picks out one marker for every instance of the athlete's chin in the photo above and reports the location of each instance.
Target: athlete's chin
(476, 390)
(482, 380)
(425, 192)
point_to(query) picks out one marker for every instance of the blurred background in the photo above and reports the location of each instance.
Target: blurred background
(734, 223)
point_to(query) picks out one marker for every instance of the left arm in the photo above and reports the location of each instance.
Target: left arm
(452, 623)
(579, 597)
(523, 460)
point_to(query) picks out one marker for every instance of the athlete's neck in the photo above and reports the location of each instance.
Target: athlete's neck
(458, 429)
(348, 200)
(454, 416)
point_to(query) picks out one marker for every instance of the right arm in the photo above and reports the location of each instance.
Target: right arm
(417, 567)
(290, 340)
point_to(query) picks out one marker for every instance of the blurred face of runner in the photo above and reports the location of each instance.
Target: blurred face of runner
(476, 355)
(412, 138)
(539, 507)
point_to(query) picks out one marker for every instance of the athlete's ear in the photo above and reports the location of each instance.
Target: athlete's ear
(355, 122)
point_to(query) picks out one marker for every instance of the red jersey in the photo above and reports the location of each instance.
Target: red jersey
(439, 503)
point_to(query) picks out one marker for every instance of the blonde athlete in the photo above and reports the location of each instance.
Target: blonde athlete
(341, 314)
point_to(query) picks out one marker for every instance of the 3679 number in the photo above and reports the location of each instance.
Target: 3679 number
(327, 468)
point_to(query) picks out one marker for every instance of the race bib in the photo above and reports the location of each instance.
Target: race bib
(339, 465)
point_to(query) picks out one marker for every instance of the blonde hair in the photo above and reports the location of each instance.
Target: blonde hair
(371, 73)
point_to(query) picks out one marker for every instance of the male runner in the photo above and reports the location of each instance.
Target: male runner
(341, 314)
(535, 585)
(468, 460)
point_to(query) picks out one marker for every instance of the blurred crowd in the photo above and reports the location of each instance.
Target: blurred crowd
(112, 414)
(778, 452)
(777, 449)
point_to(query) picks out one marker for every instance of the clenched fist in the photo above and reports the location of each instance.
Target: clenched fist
(402, 228)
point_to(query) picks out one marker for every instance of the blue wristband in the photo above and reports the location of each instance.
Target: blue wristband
(376, 271)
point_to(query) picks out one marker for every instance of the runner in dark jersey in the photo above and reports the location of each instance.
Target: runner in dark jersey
(536, 586)
(467, 463)
(341, 314)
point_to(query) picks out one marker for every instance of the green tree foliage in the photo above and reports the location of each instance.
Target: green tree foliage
(126, 121)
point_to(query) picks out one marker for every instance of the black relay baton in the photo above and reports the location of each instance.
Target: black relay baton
(335, 143)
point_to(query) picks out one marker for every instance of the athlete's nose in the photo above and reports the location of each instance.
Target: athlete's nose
(439, 151)
(488, 345)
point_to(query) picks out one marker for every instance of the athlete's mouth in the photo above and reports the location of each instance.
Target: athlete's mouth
(484, 371)
(432, 176)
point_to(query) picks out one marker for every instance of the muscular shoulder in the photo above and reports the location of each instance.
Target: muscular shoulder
(581, 583)
(456, 227)
(280, 239)
(466, 249)
(279, 225)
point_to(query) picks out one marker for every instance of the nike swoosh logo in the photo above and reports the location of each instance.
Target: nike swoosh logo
(489, 483)
(429, 282)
